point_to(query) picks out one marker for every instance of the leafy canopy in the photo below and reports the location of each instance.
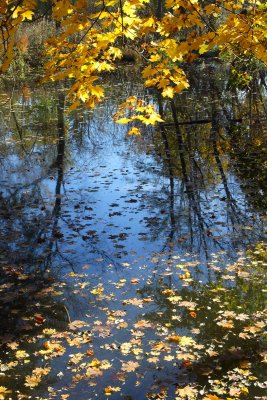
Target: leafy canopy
(91, 37)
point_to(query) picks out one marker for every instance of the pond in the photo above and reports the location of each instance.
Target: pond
(134, 267)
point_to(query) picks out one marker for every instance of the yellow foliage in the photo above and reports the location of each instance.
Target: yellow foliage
(89, 43)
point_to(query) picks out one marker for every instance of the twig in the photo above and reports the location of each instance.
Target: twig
(67, 313)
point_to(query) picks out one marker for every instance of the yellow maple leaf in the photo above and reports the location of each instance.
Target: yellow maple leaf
(21, 354)
(168, 92)
(32, 380)
(123, 121)
(134, 131)
(27, 15)
(186, 341)
(3, 392)
(97, 291)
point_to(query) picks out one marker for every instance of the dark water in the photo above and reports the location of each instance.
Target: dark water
(150, 244)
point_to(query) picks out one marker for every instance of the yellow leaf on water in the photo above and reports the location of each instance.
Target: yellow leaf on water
(187, 341)
(21, 354)
(3, 391)
(32, 380)
(187, 392)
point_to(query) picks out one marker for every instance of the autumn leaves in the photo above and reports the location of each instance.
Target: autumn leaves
(136, 327)
(89, 43)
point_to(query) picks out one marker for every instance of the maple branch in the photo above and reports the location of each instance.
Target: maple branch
(122, 23)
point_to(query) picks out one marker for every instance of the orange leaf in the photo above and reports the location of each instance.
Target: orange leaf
(212, 397)
(193, 314)
(187, 363)
(175, 339)
(38, 318)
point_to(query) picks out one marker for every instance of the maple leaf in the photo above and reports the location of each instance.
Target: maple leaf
(168, 91)
(126, 347)
(175, 339)
(49, 331)
(41, 371)
(188, 304)
(32, 380)
(52, 348)
(142, 324)
(187, 341)
(93, 372)
(76, 358)
(187, 392)
(129, 366)
(105, 364)
(168, 292)
(3, 391)
(244, 335)
(98, 290)
(76, 324)
(123, 120)
(111, 389)
(134, 131)
(174, 299)
(134, 302)
(153, 359)
(169, 358)
(161, 346)
(252, 329)
(226, 324)
(212, 353)
(13, 345)
(21, 354)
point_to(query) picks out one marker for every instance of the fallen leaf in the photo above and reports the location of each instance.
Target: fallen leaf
(175, 339)
(38, 318)
(21, 354)
(129, 366)
(76, 325)
(193, 314)
(187, 392)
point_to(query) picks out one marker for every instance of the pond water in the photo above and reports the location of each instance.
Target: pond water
(134, 267)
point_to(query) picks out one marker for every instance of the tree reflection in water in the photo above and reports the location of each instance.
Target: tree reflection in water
(86, 210)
